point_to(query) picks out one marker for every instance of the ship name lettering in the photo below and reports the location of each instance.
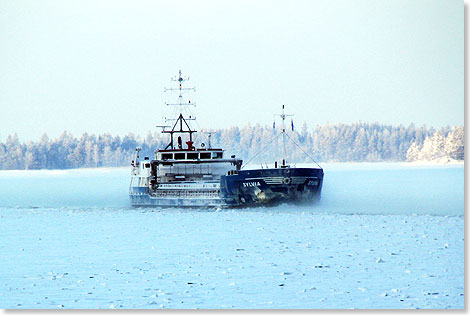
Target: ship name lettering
(251, 184)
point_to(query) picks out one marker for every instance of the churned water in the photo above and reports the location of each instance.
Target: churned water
(383, 236)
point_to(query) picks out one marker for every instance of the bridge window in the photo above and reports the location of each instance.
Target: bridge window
(167, 156)
(193, 156)
(180, 156)
(217, 155)
(205, 155)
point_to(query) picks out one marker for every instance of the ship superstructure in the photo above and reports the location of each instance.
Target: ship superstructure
(181, 174)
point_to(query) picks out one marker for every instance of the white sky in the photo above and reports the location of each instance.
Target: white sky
(100, 66)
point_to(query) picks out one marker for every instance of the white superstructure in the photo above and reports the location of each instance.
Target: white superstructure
(180, 174)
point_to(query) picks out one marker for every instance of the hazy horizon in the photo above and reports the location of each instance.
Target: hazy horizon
(97, 67)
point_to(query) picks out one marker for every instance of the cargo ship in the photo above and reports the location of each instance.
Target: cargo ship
(282, 183)
(183, 174)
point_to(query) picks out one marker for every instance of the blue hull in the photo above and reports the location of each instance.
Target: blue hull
(272, 186)
(247, 188)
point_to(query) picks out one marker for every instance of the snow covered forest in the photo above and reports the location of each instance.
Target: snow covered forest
(358, 142)
(440, 146)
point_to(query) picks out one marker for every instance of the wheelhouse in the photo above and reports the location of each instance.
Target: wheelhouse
(189, 155)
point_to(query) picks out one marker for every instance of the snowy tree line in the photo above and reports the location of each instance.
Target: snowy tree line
(439, 146)
(70, 152)
(358, 142)
(332, 142)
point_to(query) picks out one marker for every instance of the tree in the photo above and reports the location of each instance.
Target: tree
(413, 152)
(439, 146)
(433, 148)
(455, 142)
(32, 157)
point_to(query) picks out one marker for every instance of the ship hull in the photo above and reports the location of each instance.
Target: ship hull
(272, 186)
(190, 194)
(245, 188)
(147, 201)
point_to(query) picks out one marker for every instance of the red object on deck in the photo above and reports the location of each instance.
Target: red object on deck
(190, 145)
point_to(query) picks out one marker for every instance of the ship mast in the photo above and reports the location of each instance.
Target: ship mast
(181, 121)
(283, 117)
(180, 89)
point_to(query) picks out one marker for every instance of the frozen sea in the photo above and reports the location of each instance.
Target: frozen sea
(383, 236)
